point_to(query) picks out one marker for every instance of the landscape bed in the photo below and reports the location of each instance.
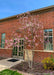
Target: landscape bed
(37, 69)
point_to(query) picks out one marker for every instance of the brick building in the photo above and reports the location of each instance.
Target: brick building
(7, 25)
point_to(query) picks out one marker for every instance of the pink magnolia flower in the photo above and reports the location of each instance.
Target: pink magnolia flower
(26, 38)
(18, 46)
(17, 16)
(6, 41)
(40, 40)
(38, 25)
(20, 28)
(36, 35)
(11, 44)
(45, 37)
(33, 40)
(29, 29)
(36, 44)
(15, 34)
(6, 47)
(41, 31)
(11, 40)
(24, 27)
(16, 38)
(15, 43)
(29, 40)
(29, 45)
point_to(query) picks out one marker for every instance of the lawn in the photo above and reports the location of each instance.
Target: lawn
(9, 72)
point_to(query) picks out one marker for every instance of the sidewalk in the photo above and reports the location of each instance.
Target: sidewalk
(5, 64)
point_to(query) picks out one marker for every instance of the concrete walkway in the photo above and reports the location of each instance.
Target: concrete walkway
(5, 64)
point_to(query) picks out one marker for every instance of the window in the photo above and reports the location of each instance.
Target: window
(48, 39)
(21, 46)
(3, 40)
(19, 50)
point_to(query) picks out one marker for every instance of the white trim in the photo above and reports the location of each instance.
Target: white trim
(5, 48)
(39, 50)
(48, 36)
(48, 51)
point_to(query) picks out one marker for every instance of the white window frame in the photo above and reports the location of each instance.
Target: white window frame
(49, 36)
(2, 41)
(21, 47)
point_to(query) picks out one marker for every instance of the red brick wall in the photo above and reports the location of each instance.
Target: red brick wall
(8, 26)
(5, 53)
(39, 56)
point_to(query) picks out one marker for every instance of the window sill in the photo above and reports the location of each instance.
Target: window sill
(48, 51)
(5, 48)
(41, 50)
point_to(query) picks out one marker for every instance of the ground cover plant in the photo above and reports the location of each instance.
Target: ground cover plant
(9, 72)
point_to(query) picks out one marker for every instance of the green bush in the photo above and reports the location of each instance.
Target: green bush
(48, 63)
(9, 72)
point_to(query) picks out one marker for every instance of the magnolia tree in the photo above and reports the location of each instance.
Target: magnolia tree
(14, 41)
(31, 30)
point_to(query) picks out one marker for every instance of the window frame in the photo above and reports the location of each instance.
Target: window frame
(20, 45)
(48, 38)
(1, 40)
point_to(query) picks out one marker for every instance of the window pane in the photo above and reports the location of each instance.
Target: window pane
(22, 42)
(15, 50)
(46, 33)
(19, 48)
(50, 33)
(49, 29)
(21, 53)
(22, 47)
(3, 40)
(48, 45)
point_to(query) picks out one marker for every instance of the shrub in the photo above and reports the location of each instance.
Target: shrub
(9, 72)
(48, 63)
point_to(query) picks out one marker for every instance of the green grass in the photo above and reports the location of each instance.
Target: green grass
(47, 74)
(9, 72)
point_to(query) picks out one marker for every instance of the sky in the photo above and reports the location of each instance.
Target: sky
(13, 7)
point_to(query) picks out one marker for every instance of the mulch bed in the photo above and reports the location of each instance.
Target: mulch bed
(37, 68)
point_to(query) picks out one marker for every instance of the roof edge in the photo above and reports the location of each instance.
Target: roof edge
(33, 11)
